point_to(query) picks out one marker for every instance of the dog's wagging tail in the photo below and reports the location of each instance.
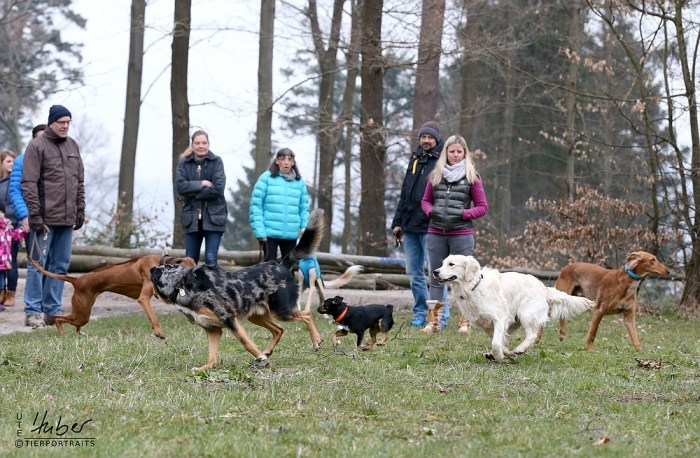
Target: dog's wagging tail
(214, 299)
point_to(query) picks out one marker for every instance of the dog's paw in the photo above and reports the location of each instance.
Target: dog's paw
(496, 357)
(260, 362)
(201, 368)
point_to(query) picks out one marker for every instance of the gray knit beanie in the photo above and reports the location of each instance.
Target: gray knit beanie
(431, 128)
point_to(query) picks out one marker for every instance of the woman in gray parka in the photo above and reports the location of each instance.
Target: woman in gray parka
(201, 182)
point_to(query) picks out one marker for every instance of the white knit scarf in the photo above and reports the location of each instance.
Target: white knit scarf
(453, 173)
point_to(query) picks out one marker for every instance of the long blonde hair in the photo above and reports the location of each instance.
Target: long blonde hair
(4, 155)
(189, 151)
(469, 168)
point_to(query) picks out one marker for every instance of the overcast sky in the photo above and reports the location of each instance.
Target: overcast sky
(222, 88)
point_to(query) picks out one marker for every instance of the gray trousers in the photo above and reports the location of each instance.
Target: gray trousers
(441, 246)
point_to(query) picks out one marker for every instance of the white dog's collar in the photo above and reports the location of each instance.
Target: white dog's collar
(481, 277)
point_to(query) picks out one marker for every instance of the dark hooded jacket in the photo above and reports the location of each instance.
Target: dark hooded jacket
(409, 215)
(207, 204)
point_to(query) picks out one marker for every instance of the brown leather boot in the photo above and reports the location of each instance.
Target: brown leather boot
(435, 310)
(431, 316)
(10, 298)
(464, 324)
(3, 294)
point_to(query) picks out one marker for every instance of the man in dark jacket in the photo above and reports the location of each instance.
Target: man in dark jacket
(410, 223)
(53, 188)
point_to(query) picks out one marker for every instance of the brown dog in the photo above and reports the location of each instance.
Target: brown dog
(130, 278)
(614, 291)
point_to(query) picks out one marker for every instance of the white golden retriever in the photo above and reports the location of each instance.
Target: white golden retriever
(499, 303)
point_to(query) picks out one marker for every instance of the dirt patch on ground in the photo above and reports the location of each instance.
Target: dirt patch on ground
(109, 304)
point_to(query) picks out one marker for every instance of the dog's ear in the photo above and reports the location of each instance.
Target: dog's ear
(188, 281)
(337, 300)
(471, 268)
(633, 259)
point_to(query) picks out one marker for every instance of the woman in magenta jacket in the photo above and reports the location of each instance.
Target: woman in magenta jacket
(453, 199)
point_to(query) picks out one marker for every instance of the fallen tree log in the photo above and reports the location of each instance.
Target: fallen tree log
(330, 262)
(387, 273)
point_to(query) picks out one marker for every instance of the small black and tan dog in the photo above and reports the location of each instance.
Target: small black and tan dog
(358, 319)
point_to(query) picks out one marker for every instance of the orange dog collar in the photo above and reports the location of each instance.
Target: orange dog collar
(342, 315)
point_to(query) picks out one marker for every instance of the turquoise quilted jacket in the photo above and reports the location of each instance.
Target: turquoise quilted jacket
(279, 208)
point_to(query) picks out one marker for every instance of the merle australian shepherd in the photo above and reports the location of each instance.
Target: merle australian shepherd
(215, 299)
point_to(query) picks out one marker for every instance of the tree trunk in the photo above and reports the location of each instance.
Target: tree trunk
(690, 301)
(610, 130)
(345, 118)
(127, 165)
(263, 134)
(327, 129)
(570, 135)
(505, 187)
(425, 99)
(372, 232)
(180, 103)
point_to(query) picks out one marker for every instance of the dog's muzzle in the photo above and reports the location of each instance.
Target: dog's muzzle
(156, 273)
(436, 276)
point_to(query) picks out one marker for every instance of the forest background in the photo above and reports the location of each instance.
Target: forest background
(581, 116)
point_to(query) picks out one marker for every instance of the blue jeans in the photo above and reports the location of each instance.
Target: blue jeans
(43, 294)
(193, 245)
(415, 247)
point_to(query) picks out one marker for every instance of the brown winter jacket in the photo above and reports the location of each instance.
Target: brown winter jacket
(52, 180)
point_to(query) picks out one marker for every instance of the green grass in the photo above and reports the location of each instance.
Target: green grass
(418, 396)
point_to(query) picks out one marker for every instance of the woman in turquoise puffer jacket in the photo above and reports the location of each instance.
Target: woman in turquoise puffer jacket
(279, 207)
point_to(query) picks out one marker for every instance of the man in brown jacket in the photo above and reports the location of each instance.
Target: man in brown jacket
(52, 184)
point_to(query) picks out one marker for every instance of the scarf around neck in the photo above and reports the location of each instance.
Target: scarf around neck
(291, 176)
(453, 173)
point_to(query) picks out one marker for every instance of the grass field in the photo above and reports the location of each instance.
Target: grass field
(119, 391)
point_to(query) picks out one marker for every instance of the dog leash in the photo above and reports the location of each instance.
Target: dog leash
(36, 245)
